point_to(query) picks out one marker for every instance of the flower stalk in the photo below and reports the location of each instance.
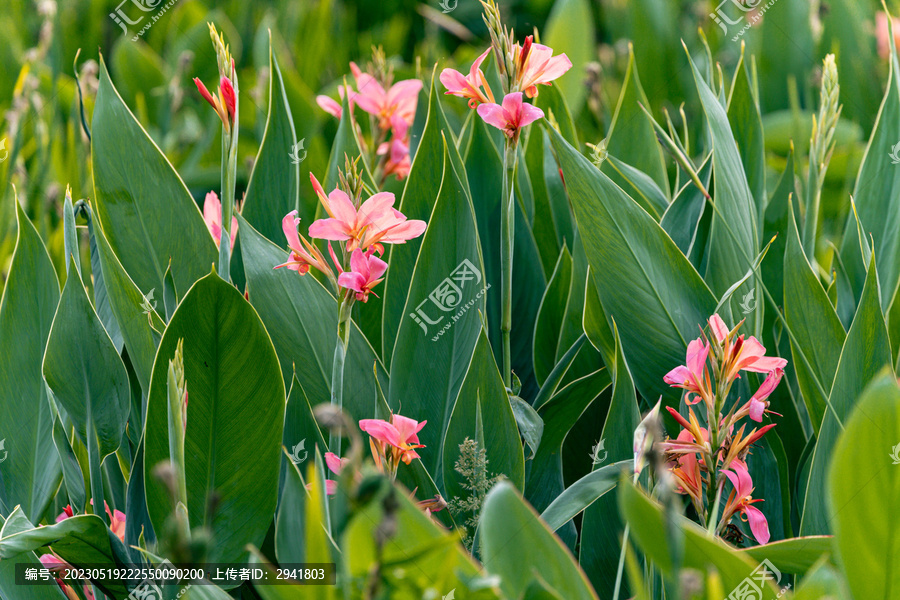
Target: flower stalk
(507, 246)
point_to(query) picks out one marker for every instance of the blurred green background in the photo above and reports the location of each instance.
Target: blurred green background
(45, 147)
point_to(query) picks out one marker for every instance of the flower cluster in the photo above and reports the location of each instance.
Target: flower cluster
(702, 458)
(392, 107)
(362, 228)
(393, 442)
(524, 66)
(225, 100)
(212, 215)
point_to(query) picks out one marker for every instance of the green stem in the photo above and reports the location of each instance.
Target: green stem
(229, 175)
(337, 367)
(507, 241)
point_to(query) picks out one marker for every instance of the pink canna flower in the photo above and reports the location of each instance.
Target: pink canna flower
(693, 375)
(536, 65)
(305, 255)
(511, 116)
(740, 501)
(757, 405)
(469, 86)
(394, 441)
(883, 34)
(364, 274)
(330, 105)
(399, 100)
(375, 222)
(116, 519)
(212, 214)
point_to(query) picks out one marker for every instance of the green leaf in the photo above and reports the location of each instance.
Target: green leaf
(877, 184)
(631, 137)
(864, 488)
(483, 392)
(346, 145)
(588, 359)
(654, 293)
(144, 207)
(85, 373)
(290, 532)
(301, 318)
(746, 126)
(560, 413)
(273, 189)
(818, 333)
(682, 218)
(646, 191)
(550, 316)
(133, 311)
(31, 469)
(584, 493)
(776, 223)
(570, 30)
(236, 409)
(602, 527)
(866, 350)
(823, 581)
(551, 99)
(80, 540)
(796, 555)
(443, 328)
(649, 530)
(418, 202)
(519, 547)
(734, 240)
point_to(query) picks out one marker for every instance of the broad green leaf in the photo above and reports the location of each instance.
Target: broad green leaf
(419, 559)
(273, 188)
(484, 170)
(571, 328)
(877, 184)
(418, 201)
(301, 432)
(734, 241)
(290, 533)
(301, 318)
(560, 209)
(235, 409)
(543, 228)
(864, 489)
(648, 528)
(31, 469)
(85, 373)
(645, 191)
(682, 218)
(551, 100)
(584, 493)
(560, 413)
(796, 555)
(133, 311)
(519, 547)
(866, 350)
(444, 327)
(747, 129)
(550, 316)
(654, 293)
(143, 205)
(80, 540)
(483, 392)
(823, 581)
(777, 224)
(631, 137)
(101, 293)
(570, 30)
(602, 527)
(818, 333)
